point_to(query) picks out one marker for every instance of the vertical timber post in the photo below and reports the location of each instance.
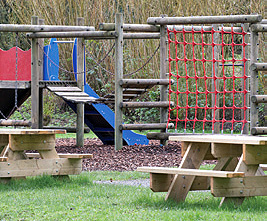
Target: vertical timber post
(253, 79)
(41, 77)
(118, 77)
(80, 83)
(215, 73)
(163, 75)
(246, 81)
(34, 79)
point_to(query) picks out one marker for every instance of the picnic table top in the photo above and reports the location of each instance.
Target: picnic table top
(31, 131)
(220, 138)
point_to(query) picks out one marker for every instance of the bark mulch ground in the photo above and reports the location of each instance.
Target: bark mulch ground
(128, 158)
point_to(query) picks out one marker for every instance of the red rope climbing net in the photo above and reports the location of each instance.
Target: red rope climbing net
(207, 75)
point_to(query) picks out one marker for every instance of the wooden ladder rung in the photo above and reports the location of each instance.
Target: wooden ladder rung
(191, 172)
(72, 94)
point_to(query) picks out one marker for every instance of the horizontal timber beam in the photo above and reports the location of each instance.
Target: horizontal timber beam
(204, 19)
(155, 28)
(154, 126)
(163, 136)
(42, 28)
(259, 99)
(258, 67)
(204, 28)
(144, 81)
(239, 187)
(77, 34)
(130, 27)
(24, 123)
(258, 27)
(259, 130)
(144, 104)
(38, 167)
(15, 84)
(68, 129)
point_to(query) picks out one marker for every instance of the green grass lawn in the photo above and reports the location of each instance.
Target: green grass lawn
(46, 198)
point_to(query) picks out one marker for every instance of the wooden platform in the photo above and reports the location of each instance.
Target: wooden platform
(237, 174)
(72, 94)
(14, 162)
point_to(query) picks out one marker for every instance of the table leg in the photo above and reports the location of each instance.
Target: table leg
(192, 159)
(250, 170)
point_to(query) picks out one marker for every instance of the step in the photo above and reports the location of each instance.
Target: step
(77, 99)
(71, 94)
(64, 89)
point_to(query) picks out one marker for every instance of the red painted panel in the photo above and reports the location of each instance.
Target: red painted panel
(8, 65)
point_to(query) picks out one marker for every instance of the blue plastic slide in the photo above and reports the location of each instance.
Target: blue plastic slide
(98, 117)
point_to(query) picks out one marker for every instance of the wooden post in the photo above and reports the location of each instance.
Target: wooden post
(34, 79)
(163, 71)
(118, 78)
(80, 83)
(253, 80)
(215, 72)
(246, 82)
(41, 76)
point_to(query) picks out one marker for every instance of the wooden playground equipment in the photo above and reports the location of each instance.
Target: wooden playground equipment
(239, 172)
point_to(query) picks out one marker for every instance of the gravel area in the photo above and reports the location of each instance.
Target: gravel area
(137, 182)
(127, 159)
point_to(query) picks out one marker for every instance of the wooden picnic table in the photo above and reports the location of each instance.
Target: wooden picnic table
(15, 162)
(237, 174)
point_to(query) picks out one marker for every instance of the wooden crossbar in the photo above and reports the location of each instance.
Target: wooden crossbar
(3, 159)
(232, 139)
(31, 131)
(63, 155)
(36, 167)
(191, 172)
